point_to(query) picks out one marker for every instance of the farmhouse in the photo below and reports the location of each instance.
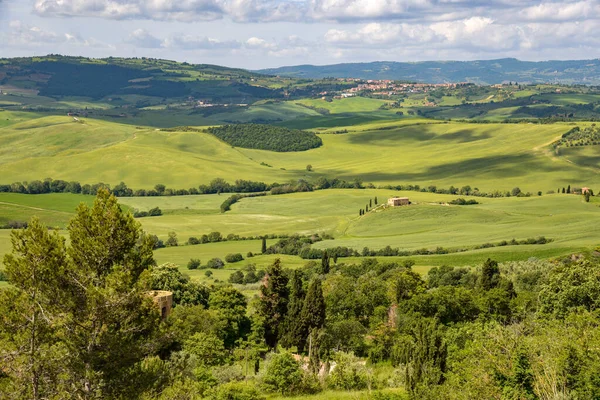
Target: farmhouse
(398, 201)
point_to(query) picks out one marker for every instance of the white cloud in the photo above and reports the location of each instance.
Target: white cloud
(25, 36)
(188, 42)
(142, 38)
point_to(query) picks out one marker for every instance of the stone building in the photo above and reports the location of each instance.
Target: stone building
(398, 201)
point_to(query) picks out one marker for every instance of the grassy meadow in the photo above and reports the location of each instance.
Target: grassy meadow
(427, 223)
(442, 154)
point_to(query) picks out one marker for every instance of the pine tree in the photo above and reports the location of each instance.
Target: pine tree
(273, 305)
(92, 300)
(36, 268)
(264, 245)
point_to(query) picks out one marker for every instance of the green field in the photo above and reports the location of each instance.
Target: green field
(483, 156)
(428, 223)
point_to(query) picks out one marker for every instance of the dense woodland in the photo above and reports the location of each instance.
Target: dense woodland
(266, 137)
(78, 323)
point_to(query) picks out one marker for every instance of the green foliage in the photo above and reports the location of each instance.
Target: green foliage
(313, 310)
(235, 391)
(215, 263)
(233, 258)
(349, 373)
(569, 287)
(230, 305)
(194, 263)
(266, 137)
(172, 240)
(208, 348)
(185, 292)
(237, 277)
(424, 352)
(283, 374)
(88, 302)
(273, 305)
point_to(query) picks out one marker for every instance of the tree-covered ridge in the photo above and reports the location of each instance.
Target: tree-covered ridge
(579, 137)
(266, 137)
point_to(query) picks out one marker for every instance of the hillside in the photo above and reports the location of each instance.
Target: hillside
(408, 151)
(481, 72)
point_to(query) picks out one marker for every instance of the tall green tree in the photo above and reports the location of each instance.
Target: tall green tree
(294, 334)
(490, 274)
(87, 302)
(313, 312)
(264, 245)
(29, 350)
(109, 319)
(273, 305)
(325, 263)
(230, 304)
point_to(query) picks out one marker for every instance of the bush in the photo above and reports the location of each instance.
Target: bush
(208, 273)
(348, 373)
(283, 374)
(172, 240)
(3, 277)
(194, 263)
(237, 277)
(215, 263)
(233, 258)
(193, 241)
(234, 391)
(249, 255)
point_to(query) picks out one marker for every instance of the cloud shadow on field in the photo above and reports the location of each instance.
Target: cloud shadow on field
(495, 167)
(418, 133)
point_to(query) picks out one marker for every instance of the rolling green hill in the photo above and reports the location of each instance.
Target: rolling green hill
(487, 156)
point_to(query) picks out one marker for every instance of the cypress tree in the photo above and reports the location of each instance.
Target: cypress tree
(376, 200)
(264, 245)
(325, 263)
(569, 189)
(294, 334)
(273, 305)
(490, 274)
(313, 312)
(563, 190)
(370, 203)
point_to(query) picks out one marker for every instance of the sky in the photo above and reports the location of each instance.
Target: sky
(256, 34)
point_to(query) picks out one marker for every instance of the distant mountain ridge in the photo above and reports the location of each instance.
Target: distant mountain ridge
(481, 72)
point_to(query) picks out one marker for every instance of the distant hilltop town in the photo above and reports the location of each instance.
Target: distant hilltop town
(389, 87)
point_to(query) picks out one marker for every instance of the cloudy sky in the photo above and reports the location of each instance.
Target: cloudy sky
(269, 33)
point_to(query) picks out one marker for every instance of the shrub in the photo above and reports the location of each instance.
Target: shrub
(194, 263)
(249, 254)
(154, 212)
(172, 240)
(215, 263)
(193, 240)
(237, 277)
(208, 273)
(233, 258)
(348, 373)
(283, 374)
(3, 277)
(234, 391)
